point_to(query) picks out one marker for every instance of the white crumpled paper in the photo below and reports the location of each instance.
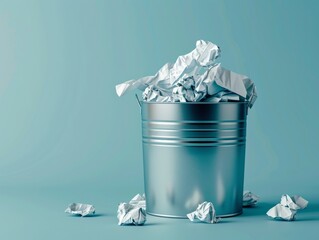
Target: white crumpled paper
(295, 202)
(194, 77)
(132, 213)
(205, 212)
(249, 199)
(287, 208)
(80, 209)
(138, 201)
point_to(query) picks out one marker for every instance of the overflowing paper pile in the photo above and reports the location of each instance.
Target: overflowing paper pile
(287, 208)
(194, 77)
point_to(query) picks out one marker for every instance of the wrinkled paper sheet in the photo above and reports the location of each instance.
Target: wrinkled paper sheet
(249, 199)
(287, 208)
(132, 213)
(205, 212)
(194, 77)
(80, 209)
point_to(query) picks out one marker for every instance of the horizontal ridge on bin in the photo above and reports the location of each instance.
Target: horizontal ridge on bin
(176, 125)
(195, 141)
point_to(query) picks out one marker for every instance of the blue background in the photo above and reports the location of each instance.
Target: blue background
(66, 137)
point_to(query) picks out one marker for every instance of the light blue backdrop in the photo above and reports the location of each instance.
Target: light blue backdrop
(65, 134)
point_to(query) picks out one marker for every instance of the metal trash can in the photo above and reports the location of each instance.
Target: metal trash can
(193, 152)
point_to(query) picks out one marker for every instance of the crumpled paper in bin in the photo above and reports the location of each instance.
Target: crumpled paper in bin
(287, 208)
(132, 213)
(80, 209)
(194, 77)
(205, 212)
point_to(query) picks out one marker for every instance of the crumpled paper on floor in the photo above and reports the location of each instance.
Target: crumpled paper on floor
(205, 212)
(132, 213)
(138, 201)
(194, 77)
(249, 199)
(295, 202)
(287, 208)
(80, 209)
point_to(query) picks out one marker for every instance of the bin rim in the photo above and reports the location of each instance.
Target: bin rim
(191, 103)
(245, 103)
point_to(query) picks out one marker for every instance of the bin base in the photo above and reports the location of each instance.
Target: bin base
(185, 217)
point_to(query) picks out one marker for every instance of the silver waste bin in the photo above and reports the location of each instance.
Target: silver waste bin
(193, 152)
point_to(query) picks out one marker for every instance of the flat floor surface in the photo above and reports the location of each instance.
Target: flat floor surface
(39, 214)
